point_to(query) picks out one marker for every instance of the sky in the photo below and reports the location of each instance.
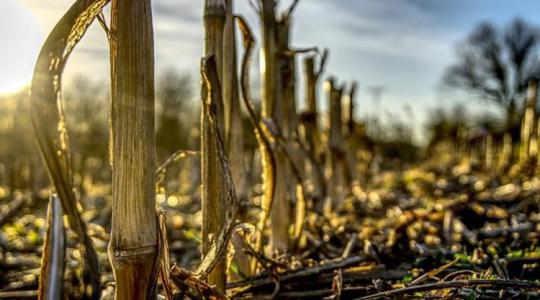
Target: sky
(403, 45)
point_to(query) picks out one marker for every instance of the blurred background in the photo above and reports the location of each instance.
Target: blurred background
(424, 70)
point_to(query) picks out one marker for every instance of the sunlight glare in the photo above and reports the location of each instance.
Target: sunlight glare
(20, 37)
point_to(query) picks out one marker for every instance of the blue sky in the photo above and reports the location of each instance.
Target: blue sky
(404, 45)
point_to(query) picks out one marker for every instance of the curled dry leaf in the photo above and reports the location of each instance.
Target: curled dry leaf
(50, 127)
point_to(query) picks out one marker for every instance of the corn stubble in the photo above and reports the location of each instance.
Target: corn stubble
(309, 169)
(134, 249)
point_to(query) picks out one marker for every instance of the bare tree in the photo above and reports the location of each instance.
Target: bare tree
(86, 119)
(495, 65)
(173, 120)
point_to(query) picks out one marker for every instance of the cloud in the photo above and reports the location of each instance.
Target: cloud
(403, 44)
(188, 12)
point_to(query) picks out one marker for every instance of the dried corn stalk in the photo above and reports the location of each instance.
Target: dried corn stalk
(213, 186)
(337, 174)
(233, 130)
(268, 156)
(50, 128)
(311, 130)
(219, 245)
(51, 279)
(528, 123)
(133, 249)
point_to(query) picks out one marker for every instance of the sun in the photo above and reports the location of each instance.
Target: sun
(20, 40)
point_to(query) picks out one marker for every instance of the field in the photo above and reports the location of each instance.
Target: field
(135, 192)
